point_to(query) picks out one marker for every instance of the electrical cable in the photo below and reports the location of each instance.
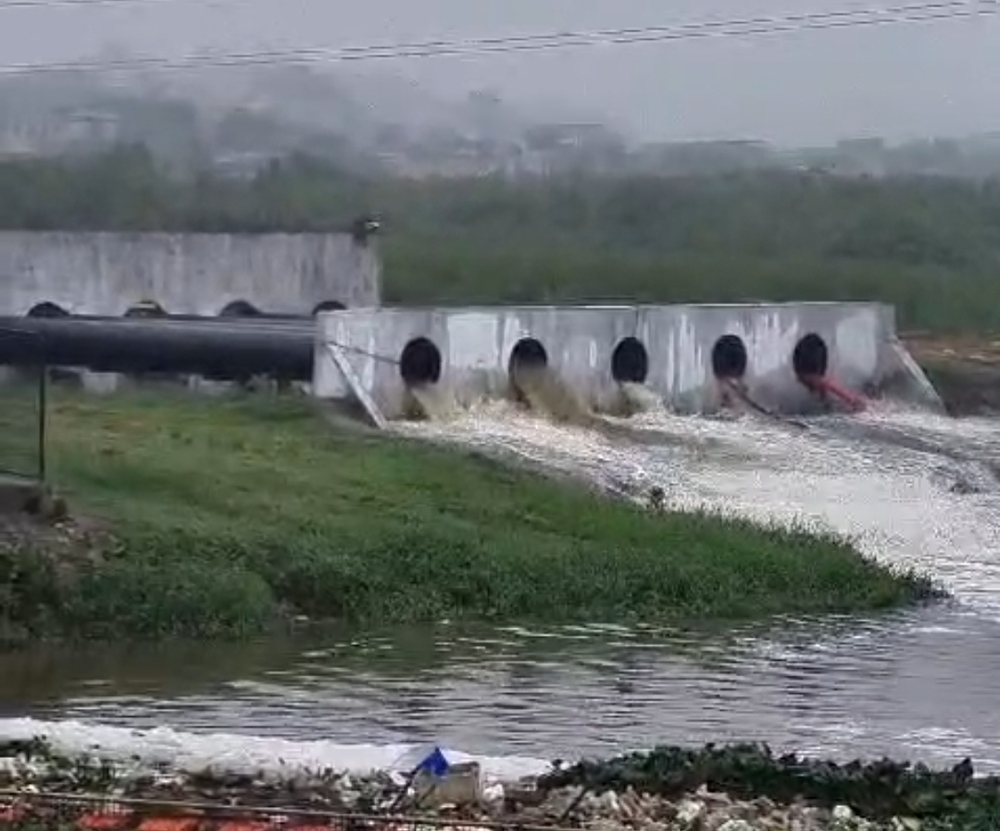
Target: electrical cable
(42, 4)
(742, 27)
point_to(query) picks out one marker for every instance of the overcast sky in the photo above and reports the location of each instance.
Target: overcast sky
(901, 82)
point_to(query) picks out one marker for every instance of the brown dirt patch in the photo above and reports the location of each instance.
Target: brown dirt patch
(965, 369)
(976, 350)
(67, 542)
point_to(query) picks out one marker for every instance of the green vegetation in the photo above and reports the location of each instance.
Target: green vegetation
(930, 246)
(231, 514)
(20, 406)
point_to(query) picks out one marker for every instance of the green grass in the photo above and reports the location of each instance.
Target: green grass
(20, 404)
(231, 514)
(454, 271)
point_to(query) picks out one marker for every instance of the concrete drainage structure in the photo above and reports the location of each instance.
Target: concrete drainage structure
(146, 276)
(168, 287)
(686, 355)
(54, 273)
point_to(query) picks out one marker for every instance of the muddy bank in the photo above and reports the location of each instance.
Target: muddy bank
(964, 369)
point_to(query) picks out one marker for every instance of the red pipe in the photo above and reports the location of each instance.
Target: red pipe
(824, 386)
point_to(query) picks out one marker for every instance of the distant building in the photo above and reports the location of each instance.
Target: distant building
(92, 127)
(58, 132)
(245, 165)
(547, 137)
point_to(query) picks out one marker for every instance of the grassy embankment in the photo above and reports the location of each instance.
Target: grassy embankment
(229, 515)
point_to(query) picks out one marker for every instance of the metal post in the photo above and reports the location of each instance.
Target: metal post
(43, 375)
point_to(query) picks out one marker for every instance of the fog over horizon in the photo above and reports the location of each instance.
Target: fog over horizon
(901, 82)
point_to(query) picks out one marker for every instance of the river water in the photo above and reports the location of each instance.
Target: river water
(911, 488)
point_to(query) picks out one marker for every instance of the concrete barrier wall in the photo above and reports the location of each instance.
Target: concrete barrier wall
(475, 346)
(683, 338)
(106, 273)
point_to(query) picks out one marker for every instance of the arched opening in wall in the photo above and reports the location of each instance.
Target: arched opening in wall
(47, 309)
(55, 374)
(528, 355)
(527, 358)
(811, 358)
(329, 306)
(146, 308)
(239, 308)
(420, 363)
(630, 362)
(729, 358)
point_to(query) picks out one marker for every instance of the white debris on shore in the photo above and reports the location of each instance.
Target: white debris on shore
(702, 810)
(462, 794)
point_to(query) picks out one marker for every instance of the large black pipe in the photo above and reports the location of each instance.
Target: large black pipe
(214, 349)
(260, 320)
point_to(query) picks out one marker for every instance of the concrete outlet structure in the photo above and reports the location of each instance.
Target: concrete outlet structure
(113, 274)
(680, 353)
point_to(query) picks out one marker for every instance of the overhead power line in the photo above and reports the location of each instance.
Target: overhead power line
(740, 27)
(80, 4)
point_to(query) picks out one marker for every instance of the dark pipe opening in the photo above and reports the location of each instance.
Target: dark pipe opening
(240, 308)
(527, 354)
(811, 357)
(47, 309)
(329, 306)
(729, 358)
(630, 362)
(420, 363)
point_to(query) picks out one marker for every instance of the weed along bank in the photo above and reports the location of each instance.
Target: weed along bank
(224, 516)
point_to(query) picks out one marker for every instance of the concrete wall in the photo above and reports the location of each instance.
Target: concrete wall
(106, 273)
(476, 344)
(684, 336)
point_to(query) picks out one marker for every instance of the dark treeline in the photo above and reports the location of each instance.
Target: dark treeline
(931, 246)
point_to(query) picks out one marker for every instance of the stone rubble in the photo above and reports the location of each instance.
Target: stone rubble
(702, 810)
(511, 802)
